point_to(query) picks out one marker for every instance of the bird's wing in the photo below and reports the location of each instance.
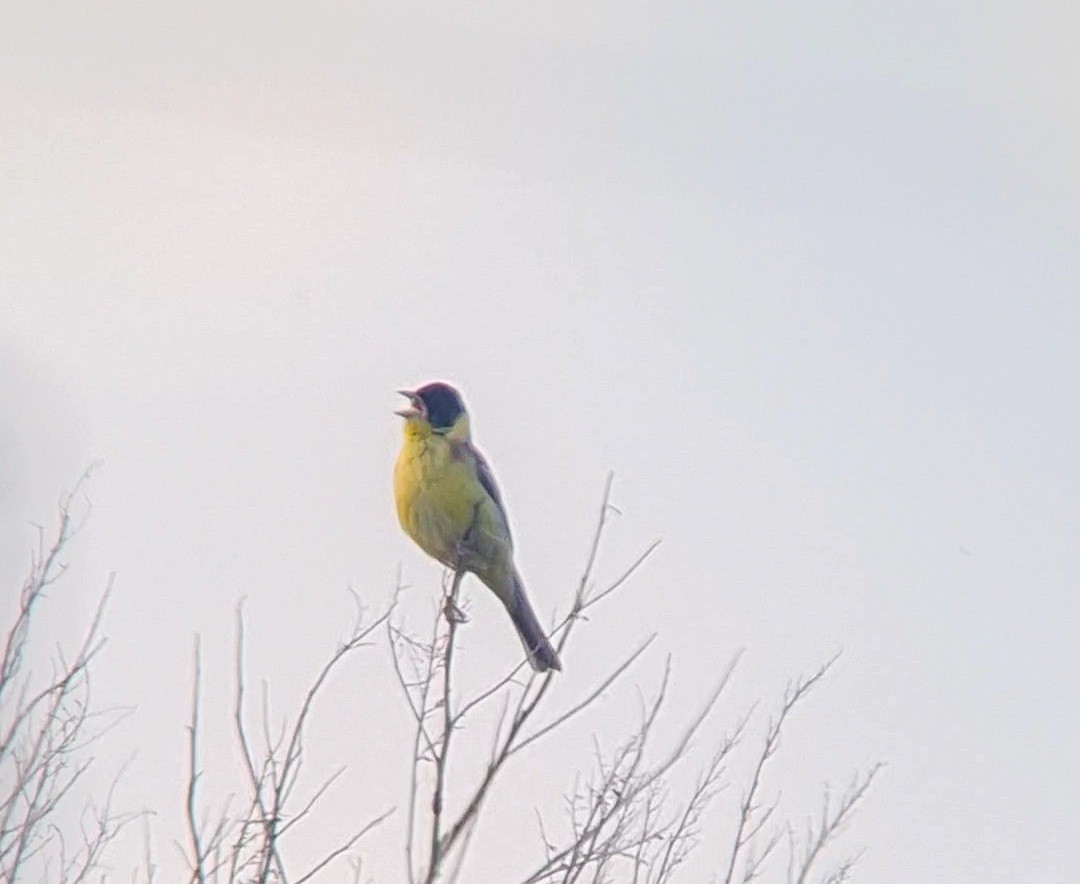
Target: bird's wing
(487, 480)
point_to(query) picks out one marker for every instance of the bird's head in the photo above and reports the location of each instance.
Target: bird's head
(435, 408)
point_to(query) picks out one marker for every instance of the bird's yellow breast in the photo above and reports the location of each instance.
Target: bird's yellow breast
(437, 494)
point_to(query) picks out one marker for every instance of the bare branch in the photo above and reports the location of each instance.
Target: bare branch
(830, 823)
(246, 846)
(46, 724)
(334, 854)
(585, 703)
(198, 857)
(750, 824)
(443, 747)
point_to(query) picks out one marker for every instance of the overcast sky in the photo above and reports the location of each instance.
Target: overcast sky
(805, 276)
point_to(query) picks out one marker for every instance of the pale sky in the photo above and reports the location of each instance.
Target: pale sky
(804, 276)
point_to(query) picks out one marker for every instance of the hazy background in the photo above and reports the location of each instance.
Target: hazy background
(804, 275)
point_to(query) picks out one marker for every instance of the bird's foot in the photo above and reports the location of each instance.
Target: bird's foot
(462, 555)
(454, 613)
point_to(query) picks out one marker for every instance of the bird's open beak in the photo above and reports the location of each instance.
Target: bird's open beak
(411, 411)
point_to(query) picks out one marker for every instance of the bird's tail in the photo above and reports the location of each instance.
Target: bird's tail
(538, 649)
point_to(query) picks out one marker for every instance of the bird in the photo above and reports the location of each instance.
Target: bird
(449, 503)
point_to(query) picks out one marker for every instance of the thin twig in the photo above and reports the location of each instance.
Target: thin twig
(441, 757)
(747, 828)
(198, 873)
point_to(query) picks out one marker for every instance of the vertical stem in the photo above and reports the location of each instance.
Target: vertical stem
(438, 797)
(198, 873)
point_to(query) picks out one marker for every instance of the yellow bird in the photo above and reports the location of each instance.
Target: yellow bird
(448, 502)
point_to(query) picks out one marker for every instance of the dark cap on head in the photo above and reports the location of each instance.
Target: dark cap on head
(442, 404)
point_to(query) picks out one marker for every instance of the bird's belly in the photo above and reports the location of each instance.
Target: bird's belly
(436, 507)
(434, 527)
